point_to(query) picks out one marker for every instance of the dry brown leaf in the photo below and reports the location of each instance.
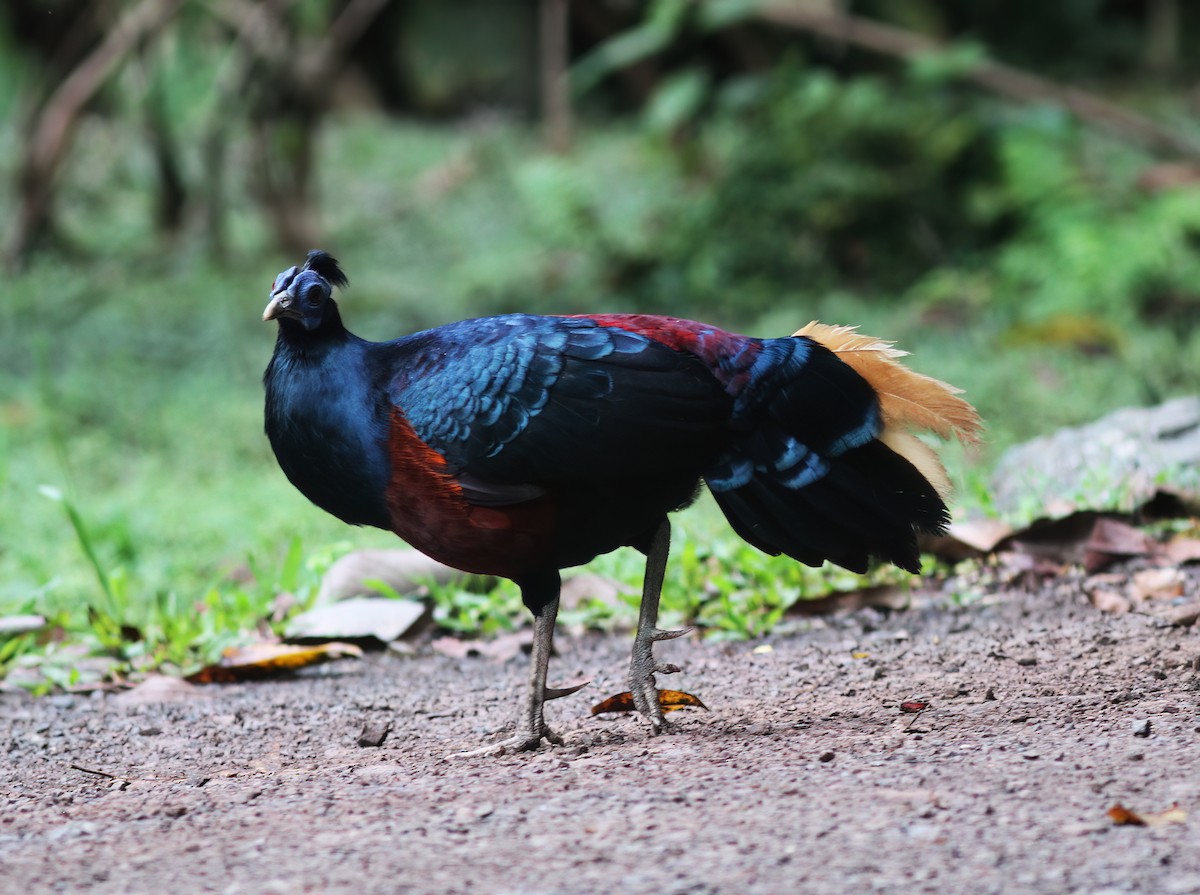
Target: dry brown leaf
(1109, 601)
(877, 596)
(1182, 549)
(1157, 584)
(1122, 816)
(263, 660)
(913, 706)
(159, 688)
(1056, 539)
(1112, 540)
(670, 700)
(500, 648)
(982, 536)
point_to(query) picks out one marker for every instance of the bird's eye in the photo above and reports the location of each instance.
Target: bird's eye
(315, 295)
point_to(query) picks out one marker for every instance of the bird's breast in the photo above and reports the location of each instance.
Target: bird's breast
(428, 510)
(329, 446)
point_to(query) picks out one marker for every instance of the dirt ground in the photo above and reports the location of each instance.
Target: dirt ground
(805, 776)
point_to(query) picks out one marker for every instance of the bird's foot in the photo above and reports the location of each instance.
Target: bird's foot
(523, 741)
(642, 668)
(529, 737)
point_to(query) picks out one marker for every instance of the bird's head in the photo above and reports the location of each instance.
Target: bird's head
(305, 294)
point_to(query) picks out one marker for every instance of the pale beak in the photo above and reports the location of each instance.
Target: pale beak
(278, 304)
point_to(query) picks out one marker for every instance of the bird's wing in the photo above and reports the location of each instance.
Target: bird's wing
(520, 401)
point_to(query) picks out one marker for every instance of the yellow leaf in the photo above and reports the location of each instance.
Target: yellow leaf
(670, 700)
(262, 660)
(1122, 816)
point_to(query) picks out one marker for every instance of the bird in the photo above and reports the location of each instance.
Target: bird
(520, 445)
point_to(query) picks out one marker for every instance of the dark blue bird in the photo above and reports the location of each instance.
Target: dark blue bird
(520, 445)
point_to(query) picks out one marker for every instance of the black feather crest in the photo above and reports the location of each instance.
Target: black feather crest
(326, 265)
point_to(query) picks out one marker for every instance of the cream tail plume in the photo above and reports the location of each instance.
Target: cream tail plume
(910, 402)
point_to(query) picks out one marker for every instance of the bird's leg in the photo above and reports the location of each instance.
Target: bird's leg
(642, 666)
(532, 727)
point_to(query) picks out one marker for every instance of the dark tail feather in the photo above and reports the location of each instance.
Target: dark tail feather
(871, 502)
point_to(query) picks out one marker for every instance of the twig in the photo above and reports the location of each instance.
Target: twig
(552, 62)
(1001, 79)
(106, 774)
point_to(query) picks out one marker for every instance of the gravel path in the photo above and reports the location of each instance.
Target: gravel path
(805, 776)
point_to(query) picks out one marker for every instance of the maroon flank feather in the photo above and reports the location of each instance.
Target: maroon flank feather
(430, 511)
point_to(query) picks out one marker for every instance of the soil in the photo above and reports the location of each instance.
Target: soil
(805, 776)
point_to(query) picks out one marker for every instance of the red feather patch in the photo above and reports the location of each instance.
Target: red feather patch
(429, 511)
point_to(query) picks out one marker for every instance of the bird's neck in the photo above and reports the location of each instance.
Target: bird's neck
(313, 345)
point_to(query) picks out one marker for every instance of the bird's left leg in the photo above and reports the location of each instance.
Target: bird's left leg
(642, 665)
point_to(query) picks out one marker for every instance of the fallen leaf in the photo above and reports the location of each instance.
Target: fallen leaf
(402, 571)
(968, 539)
(21, 624)
(499, 649)
(1181, 549)
(585, 587)
(1112, 540)
(880, 596)
(158, 688)
(355, 619)
(1122, 816)
(670, 700)
(1157, 584)
(262, 660)
(1061, 539)
(1109, 601)
(913, 706)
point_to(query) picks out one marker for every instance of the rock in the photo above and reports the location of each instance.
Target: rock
(1115, 463)
(379, 617)
(404, 571)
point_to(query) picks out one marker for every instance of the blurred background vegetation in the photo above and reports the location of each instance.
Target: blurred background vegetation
(1008, 188)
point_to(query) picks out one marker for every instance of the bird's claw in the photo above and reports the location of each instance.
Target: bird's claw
(657, 634)
(526, 741)
(560, 692)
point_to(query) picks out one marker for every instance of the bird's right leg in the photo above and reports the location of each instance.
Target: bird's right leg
(542, 593)
(642, 665)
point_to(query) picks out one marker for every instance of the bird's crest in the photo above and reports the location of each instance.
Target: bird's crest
(910, 401)
(326, 265)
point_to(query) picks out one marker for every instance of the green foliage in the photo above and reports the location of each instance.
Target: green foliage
(859, 181)
(478, 614)
(986, 239)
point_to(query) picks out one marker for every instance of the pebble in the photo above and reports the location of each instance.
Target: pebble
(1140, 727)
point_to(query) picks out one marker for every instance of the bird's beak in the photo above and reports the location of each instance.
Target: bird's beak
(277, 305)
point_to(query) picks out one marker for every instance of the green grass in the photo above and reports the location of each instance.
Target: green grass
(142, 511)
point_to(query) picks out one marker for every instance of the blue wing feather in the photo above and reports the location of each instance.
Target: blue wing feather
(520, 398)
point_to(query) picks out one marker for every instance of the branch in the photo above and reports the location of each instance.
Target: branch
(51, 134)
(1001, 79)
